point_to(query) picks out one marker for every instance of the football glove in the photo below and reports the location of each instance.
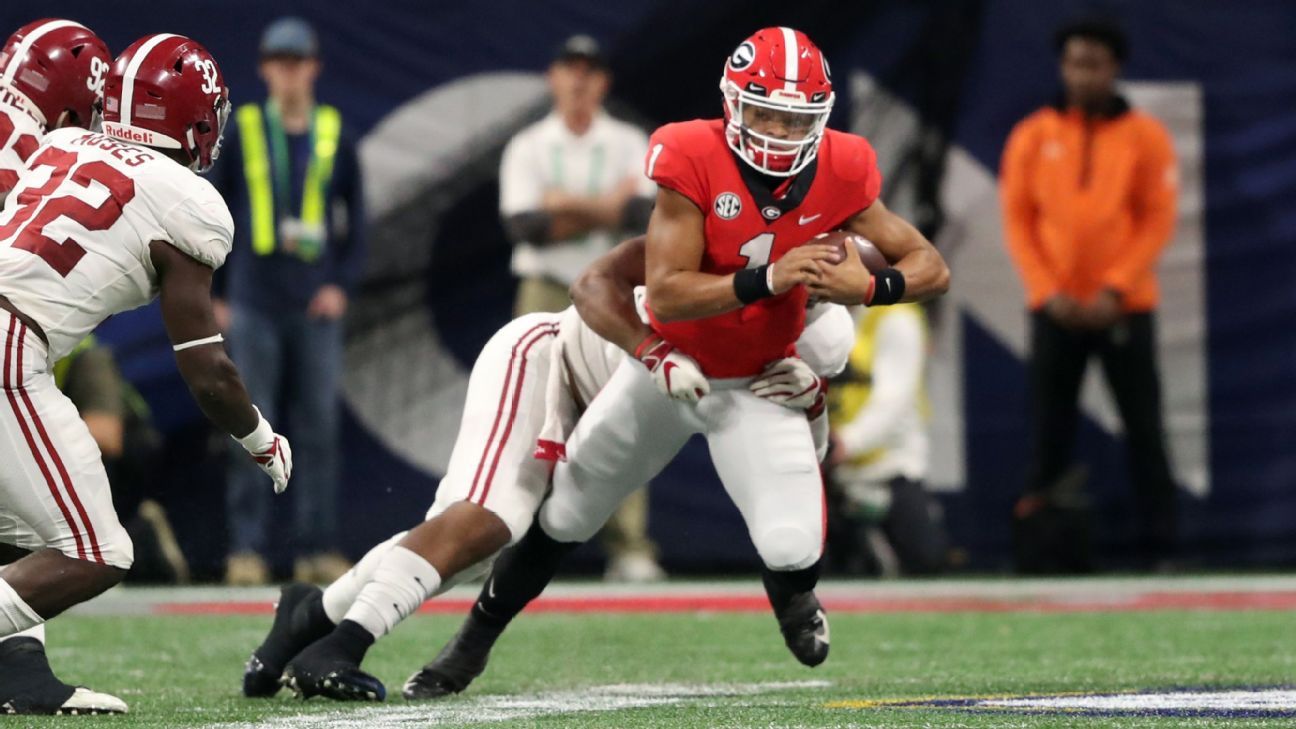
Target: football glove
(676, 374)
(270, 451)
(791, 383)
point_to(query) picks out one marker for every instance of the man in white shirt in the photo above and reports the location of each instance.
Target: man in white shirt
(571, 186)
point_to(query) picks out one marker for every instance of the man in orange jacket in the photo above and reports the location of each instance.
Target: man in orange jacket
(1088, 188)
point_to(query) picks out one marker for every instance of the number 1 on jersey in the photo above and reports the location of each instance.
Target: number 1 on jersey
(757, 250)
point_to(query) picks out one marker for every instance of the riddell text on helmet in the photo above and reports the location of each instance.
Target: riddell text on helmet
(120, 131)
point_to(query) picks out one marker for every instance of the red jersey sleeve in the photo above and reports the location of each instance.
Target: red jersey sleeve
(670, 165)
(855, 163)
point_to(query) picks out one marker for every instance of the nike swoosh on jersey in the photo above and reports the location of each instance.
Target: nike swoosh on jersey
(666, 370)
(803, 219)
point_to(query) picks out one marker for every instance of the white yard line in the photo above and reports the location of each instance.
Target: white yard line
(520, 707)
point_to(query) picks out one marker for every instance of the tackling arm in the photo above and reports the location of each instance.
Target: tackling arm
(604, 295)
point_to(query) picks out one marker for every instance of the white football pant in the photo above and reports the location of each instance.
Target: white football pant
(763, 452)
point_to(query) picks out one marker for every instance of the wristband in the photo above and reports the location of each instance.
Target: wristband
(263, 433)
(888, 287)
(750, 284)
(213, 339)
(650, 341)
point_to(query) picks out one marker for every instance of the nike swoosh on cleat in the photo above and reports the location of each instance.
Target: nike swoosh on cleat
(821, 636)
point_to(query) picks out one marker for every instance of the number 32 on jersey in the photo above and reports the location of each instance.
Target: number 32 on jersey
(26, 230)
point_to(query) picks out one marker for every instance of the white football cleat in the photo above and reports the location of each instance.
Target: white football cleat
(85, 701)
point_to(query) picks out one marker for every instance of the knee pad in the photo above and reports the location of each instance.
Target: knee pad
(564, 524)
(788, 547)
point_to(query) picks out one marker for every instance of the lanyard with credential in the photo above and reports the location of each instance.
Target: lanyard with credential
(305, 237)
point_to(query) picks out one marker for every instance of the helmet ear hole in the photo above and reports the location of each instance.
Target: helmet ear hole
(76, 51)
(179, 65)
(203, 127)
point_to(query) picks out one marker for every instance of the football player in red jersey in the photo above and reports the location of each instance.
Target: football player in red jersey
(731, 263)
(552, 364)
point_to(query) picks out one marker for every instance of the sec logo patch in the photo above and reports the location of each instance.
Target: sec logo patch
(728, 205)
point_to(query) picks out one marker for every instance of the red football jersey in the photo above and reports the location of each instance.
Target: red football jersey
(747, 226)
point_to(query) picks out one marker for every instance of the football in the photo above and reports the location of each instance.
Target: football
(872, 258)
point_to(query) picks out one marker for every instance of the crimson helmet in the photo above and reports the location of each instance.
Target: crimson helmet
(167, 91)
(58, 66)
(776, 80)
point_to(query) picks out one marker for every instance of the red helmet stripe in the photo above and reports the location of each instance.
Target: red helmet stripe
(790, 68)
(28, 41)
(128, 79)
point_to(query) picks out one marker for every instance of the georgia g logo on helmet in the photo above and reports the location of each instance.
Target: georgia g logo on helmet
(742, 56)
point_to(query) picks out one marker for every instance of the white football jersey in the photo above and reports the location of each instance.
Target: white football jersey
(20, 135)
(75, 232)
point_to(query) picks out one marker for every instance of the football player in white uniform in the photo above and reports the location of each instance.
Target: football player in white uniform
(52, 74)
(98, 224)
(528, 387)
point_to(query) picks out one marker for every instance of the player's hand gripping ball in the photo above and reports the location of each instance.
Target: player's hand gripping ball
(849, 283)
(869, 255)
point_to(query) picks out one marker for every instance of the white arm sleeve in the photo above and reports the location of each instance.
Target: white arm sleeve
(897, 371)
(521, 184)
(827, 340)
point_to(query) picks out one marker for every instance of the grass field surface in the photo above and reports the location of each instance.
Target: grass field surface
(689, 668)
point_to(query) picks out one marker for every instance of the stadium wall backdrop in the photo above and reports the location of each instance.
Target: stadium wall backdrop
(442, 91)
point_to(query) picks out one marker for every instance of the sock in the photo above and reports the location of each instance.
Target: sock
(520, 575)
(401, 583)
(15, 614)
(37, 632)
(352, 639)
(339, 596)
(783, 586)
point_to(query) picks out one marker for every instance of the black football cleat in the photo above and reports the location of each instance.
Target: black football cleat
(299, 621)
(29, 686)
(804, 625)
(459, 662)
(330, 667)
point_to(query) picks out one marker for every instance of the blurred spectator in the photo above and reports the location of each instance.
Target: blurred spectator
(1088, 191)
(572, 185)
(120, 423)
(290, 175)
(885, 521)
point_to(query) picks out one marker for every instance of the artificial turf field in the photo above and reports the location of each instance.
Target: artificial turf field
(176, 657)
